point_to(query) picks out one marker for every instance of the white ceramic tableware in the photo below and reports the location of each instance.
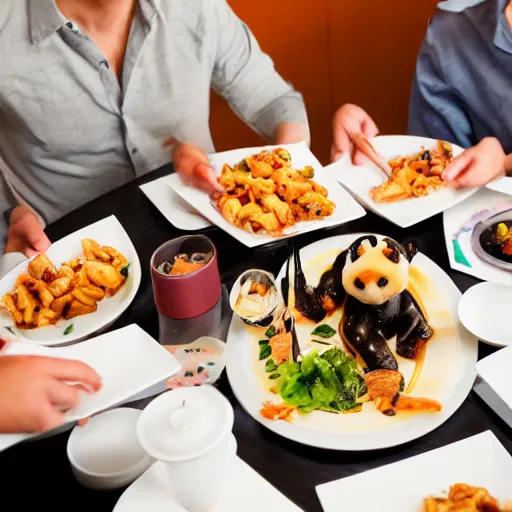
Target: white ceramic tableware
(484, 310)
(503, 185)
(347, 208)
(177, 211)
(245, 490)
(109, 232)
(128, 360)
(495, 371)
(105, 453)
(480, 461)
(189, 429)
(447, 374)
(361, 179)
(459, 222)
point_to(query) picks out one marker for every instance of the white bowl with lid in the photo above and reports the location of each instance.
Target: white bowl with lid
(190, 430)
(105, 453)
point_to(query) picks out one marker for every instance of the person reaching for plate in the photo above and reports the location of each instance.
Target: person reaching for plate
(35, 391)
(461, 91)
(109, 89)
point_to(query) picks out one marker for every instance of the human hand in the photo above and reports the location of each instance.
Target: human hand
(25, 233)
(34, 391)
(477, 166)
(351, 120)
(192, 164)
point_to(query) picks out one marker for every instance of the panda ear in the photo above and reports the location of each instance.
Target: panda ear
(353, 249)
(408, 249)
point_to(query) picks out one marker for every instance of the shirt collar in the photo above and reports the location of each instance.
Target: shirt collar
(45, 19)
(503, 34)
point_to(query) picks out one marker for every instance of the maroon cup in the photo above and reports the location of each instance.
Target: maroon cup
(189, 295)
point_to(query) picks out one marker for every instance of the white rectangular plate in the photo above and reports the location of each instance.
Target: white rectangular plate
(361, 179)
(480, 460)
(177, 211)
(495, 371)
(245, 490)
(128, 360)
(109, 232)
(503, 185)
(346, 208)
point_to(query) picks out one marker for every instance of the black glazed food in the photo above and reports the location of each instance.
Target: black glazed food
(496, 241)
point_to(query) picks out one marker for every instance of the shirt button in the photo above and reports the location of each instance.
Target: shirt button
(69, 24)
(134, 151)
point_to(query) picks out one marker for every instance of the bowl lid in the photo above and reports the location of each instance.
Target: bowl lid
(185, 423)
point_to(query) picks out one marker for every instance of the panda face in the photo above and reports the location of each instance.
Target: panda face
(375, 274)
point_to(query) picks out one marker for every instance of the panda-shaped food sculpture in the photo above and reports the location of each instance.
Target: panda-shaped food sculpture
(369, 279)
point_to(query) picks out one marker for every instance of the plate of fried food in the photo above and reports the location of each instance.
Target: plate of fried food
(414, 189)
(472, 475)
(271, 193)
(77, 288)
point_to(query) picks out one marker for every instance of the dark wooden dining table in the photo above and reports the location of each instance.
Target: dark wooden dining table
(36, 475)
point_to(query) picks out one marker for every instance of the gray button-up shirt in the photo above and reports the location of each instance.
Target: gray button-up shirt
(71, 131)
(463, 86)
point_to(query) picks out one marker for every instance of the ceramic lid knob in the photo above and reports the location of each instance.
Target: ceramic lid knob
(185, 423)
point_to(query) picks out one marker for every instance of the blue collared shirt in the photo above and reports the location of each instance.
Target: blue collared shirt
(462, 91)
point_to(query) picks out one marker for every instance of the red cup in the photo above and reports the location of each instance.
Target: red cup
(189, 295)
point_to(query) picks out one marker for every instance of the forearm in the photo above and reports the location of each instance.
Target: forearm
(291, 133)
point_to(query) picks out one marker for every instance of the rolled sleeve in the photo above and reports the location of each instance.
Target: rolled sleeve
(246, 77)
(7, 201)
(436, 111)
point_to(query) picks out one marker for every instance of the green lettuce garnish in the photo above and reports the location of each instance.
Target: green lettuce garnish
(329, 382)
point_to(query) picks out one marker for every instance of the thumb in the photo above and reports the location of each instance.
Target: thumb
(206, 174)
(39, 241)
(458, 166)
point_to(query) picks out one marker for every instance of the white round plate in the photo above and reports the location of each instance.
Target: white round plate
(447, 376)
(109, 232)
(483, 302)
(360, 180)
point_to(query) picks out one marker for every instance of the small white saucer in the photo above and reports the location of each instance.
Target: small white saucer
(484, 310)
(105, 453)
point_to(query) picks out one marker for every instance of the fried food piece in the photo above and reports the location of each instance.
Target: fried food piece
(8, 303)
(282, 210)
(383, 387)
(38, 288)
(78, 294)
(41, 267)
(59, 305)
(103, 275)
(60, 286)
(463, 498)
(77, 308)
(317, 205)
(93, 251)
(25, 302)
(117, 259)
(231, 209)
(260, 169)
(227, 178)
(45, 317)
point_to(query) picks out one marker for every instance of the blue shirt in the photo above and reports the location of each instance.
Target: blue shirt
(462, 91)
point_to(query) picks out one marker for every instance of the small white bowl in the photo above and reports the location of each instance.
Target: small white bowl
(484, 310)
(105, 453)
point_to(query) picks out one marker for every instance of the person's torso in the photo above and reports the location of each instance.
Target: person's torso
(69, 130)
(475, 51)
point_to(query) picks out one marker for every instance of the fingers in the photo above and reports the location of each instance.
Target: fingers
(369, 128)
(75, 371)
(341, 144)
(83, 422)
(206, 178)
(359, 158)
(62, 396)
(48, 418)
(458, 166)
